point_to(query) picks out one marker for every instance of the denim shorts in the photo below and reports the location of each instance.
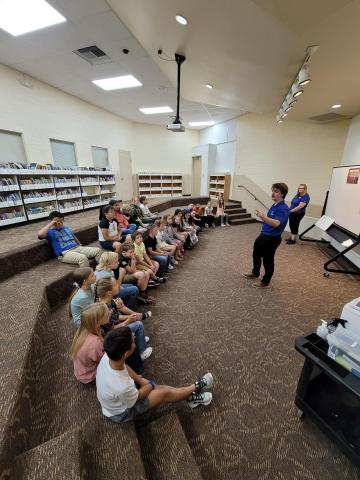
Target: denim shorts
(133, 412)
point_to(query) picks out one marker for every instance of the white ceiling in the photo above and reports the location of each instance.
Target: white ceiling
(250, 50)
(47, 55)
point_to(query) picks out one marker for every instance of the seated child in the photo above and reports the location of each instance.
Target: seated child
(87, 346)
(145, 209)
(121, 400)
(154, 253)
(83, 295)
(209, 215)
(126, 227)
(64, 243)
(108, 264)
(120, 316)
(162, 245)
(171, 237)
(144, 262)
(108, 230)
(127, 261)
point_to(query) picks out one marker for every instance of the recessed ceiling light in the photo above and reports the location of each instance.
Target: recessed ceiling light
(153, 110)
(201, 124)
(209, 85)
(22, 16)
(116, 83)
(336, 105)
(180, 19)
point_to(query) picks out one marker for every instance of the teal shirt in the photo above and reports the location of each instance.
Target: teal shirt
(80, 300)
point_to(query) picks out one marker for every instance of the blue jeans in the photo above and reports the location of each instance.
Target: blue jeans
(137, 329)
(128, 294)
(129, 230)
(163, 264)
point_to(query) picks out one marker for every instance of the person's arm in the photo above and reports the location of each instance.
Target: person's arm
(299, 207)
(132, 267)
(273, 222)
(151, 251)
(148, 260)
(138, 379)
(106, 235)
(42, 234)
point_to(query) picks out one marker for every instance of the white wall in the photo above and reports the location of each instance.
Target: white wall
(351, 155)
(43, 112)
(208, 158)
(157, 149)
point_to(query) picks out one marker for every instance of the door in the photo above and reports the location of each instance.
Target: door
(124, 180)
(196, 175)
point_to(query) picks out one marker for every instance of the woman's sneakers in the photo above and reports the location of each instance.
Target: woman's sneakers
(198, 397)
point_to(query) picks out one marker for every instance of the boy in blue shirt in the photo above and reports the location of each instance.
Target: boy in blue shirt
(274, 223)
(66, 246)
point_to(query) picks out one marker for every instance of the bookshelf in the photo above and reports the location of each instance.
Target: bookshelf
(220, 183)
(153, 185)
(30, 194)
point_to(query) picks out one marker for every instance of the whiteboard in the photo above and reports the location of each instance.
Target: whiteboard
(344, 199)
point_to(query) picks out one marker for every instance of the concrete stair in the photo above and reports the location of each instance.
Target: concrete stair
(166, 453)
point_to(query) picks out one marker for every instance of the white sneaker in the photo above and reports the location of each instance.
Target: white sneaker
(228, 224)
(146, 353)
(223, 225)
(206, 381)
(174, 262)
(202, 398)
(170, 267)
(147, 340)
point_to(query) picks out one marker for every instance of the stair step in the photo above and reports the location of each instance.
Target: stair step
(243, 221)
(235, 216)
(165, 450)
(235, 210)
(112, 451)
(59, 458)
(233, 206)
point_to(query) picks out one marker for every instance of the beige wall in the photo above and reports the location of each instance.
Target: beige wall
(43, 112)
(294, 152)
(351, 154)
(159, 150)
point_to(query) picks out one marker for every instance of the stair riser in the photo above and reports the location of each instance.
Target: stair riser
(235, 210)
(233, 207)
(237, 216)
(243, 222)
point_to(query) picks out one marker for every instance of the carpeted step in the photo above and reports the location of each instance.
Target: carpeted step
(165, 450)
(58, 459)
(232, 206)
(243, 221)
(239, 215)
(26, 299)
(111, 451)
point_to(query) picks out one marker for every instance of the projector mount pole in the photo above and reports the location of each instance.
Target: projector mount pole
(179, 60)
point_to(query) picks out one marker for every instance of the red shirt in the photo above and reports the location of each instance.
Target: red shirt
(121, 220)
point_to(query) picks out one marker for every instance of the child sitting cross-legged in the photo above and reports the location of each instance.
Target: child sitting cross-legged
(144, 262)
(128, 262)
(121, 316)
(83, 294)
(121, 400)
(108, 264)
(87, 346)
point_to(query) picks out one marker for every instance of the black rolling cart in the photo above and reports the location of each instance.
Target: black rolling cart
(329, 396)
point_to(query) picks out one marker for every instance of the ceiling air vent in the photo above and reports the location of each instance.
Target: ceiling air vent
(94, 55)
(328, 117)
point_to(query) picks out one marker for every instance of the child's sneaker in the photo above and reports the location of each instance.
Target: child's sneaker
(202, 398)
(146, 315)
(170, 267)
(146, 353)
(161, 279)
(147, 339)
(206, 381)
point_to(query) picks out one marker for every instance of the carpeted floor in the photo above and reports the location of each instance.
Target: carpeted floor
(209, 318)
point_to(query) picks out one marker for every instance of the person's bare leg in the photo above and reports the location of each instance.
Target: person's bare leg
(166, 394)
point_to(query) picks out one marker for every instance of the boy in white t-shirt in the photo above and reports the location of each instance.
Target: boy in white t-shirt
(121, 400)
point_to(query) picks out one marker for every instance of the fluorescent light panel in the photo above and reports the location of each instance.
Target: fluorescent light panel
(337, 105)
(117, 83)
(22, 16)
(154, 110)
(201, 124)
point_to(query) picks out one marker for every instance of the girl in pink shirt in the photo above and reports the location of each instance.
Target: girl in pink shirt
(87, 347)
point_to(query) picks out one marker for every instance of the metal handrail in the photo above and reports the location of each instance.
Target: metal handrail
(263, 204)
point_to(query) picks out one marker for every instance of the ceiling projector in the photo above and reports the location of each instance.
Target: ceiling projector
(176, 127)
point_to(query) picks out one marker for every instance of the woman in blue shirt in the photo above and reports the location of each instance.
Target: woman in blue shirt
(297, 211)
